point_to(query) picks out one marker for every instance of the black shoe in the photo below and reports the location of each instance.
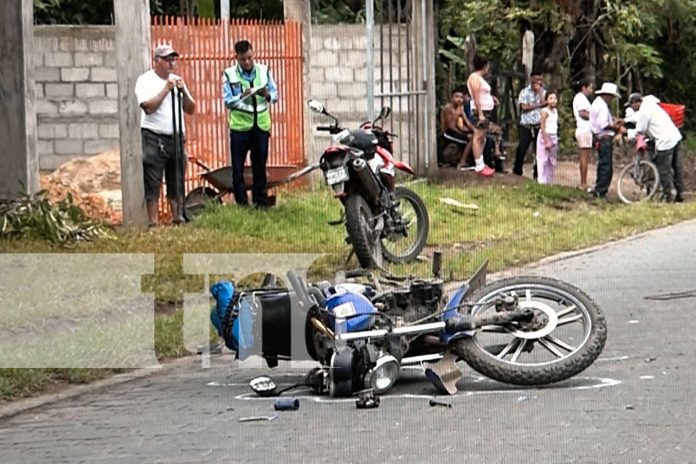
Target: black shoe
(679, 199)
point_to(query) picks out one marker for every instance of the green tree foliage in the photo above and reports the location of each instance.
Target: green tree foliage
(642, 44)
(73, 11)
(101, 11)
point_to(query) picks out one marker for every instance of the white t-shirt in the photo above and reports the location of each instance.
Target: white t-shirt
(581, 102)
(551, 124)
(161, 121)
(655, 122)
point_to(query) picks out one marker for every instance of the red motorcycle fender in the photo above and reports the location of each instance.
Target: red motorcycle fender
(404, 167)
(389, 160)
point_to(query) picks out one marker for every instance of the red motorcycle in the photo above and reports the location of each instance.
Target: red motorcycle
(383, 220)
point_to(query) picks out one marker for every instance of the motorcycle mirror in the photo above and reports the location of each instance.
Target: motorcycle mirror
(316, 106)
(383, 114)
(263, 386)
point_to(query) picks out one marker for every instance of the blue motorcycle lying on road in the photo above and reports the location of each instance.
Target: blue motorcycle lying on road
(362, 329)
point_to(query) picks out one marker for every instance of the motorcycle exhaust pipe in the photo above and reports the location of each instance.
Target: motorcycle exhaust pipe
(371, 187)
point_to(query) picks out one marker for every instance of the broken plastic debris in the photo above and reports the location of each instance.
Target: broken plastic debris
(525, 398)
(458, 204)
(258, 418)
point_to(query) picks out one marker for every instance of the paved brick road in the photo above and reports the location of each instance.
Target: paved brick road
(636, 404)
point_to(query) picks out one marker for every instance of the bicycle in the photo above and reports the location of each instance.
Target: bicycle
(639, 180)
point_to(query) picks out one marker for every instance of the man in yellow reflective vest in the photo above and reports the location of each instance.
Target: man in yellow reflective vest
(248, 90)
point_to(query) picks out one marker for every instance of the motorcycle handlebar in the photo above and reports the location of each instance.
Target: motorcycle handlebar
(325, 128)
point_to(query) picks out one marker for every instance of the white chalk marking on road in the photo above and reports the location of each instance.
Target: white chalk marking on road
(615, 358)
(633, 321)
(601, 382)
(647, 377)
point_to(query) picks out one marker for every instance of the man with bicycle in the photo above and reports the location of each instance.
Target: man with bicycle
(654, 121)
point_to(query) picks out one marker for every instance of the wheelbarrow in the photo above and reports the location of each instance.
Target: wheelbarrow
(221, 181)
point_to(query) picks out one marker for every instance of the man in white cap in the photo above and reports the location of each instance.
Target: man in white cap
(654, 121)
(153, 90)
(603, 129)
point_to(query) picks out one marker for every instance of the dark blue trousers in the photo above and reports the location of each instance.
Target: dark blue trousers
(605, 166)
(256, 142)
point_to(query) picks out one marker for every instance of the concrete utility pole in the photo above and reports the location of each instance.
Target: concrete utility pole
(19, 163)
(300, 11)
(132, 59)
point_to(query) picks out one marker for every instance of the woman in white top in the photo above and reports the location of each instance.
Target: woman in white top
(482, 103)
(547, 140)
(583, 131)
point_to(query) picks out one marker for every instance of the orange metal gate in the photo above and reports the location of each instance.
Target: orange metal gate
(206, 49)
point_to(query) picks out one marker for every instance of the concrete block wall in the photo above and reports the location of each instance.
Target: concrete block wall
(339, 68)
(76, 92)
(77, 95)
(339, 78)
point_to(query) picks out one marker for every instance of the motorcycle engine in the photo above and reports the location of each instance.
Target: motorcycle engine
(422, 298)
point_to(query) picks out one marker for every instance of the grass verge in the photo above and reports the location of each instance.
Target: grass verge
(513, 225)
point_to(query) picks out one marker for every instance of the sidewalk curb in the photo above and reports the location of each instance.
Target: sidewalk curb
(24, 405)
(585, 251)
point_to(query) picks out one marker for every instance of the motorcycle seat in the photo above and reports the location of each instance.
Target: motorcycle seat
(280, 318)
(365, 141)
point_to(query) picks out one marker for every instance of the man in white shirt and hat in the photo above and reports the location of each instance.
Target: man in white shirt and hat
(604, 128)
(654, 121)
(153, 90)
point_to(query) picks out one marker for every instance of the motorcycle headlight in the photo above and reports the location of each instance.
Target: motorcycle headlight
(383, 375)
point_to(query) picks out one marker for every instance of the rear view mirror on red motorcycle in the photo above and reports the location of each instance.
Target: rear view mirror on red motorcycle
(316, 106)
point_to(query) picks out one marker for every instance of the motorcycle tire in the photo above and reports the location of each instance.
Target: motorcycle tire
(555, 349)
(396, 255)
(359, 225)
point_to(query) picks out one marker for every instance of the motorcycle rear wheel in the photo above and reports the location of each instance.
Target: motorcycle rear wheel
(361, 228)
(404, 249)
(567, 335)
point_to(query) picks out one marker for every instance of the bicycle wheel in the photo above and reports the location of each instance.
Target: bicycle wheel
(638, 182)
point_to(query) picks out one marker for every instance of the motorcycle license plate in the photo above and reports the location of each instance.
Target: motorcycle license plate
(334, 176)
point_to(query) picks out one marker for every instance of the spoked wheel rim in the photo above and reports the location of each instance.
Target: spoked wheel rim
(405, 239)
(638, 183)
(561, 327)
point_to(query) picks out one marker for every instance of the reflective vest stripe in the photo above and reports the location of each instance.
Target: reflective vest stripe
(253, 110)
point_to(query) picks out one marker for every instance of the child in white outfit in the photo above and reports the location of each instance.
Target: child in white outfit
(547, 141)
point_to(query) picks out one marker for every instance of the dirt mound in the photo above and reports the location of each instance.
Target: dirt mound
(94, 183)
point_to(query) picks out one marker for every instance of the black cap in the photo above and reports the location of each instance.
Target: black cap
(635, 97)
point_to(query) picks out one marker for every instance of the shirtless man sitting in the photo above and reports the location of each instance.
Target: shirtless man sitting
(456, 127)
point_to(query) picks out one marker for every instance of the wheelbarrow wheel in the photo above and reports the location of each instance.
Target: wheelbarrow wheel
(197, 199)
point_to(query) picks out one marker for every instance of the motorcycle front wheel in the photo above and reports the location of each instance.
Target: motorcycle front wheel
(364, 231)
(403, 244)
(566, 335)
